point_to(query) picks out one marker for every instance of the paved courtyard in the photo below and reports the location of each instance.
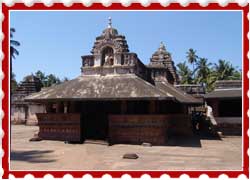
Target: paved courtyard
(225, 154)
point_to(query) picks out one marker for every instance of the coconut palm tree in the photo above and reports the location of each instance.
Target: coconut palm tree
(13, 44)
(13, 51)
(224, 70)
(203, 70)
(192, 58)
(184, 73)
(205, 73)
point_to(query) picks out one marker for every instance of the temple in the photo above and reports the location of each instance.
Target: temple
(23, 112)
(226, 104)
(117, 98)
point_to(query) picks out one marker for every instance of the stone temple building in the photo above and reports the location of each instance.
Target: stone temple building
(117, 98)
(23, 112)
(226, 104)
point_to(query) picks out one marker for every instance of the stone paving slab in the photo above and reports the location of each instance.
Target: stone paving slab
(225, 154)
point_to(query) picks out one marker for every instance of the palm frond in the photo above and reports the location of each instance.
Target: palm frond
(14, 43)
(12, 30)
(13, 52)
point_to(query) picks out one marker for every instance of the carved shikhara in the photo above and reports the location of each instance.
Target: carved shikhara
(119, 48)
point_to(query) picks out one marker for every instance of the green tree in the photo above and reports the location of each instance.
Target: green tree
(39, 74)
(203, 70)
(48, 80)
(224, 70)
(237, 75)
(205, 74)
(13, 51)
(13, 82)
(192, 59)
(13, 45)
(185, 73)
(52, 79)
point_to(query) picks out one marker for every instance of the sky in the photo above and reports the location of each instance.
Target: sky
(54, 41)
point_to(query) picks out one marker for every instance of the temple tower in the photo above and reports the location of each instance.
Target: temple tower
(110, 55)
(23, 112)
(162, 67)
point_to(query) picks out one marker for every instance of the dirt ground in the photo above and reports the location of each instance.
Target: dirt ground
(204, 154)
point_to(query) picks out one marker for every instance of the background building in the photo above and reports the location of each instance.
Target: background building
(226, 103)
(25, 112)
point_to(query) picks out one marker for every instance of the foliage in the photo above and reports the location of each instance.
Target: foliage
(192, 59)
(49, 80)
(191, 56)
(52, 79)
(206, 73)
(185, 73)
(13, 53)
(13, 82)
(225, 70)
(13, 44)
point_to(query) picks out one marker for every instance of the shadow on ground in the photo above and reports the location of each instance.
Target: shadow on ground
(193, 141)
(184, 141)
(31, 156)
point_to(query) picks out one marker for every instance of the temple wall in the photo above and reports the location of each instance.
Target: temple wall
(154, 129)
(33, 109)
(18, 114)
(26, 114)
(229, 125)
(132, 122)
(60, 126)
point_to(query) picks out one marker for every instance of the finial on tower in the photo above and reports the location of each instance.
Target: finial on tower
(162, 47)
(110, 22)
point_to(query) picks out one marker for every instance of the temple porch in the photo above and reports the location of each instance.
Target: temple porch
(115, 121)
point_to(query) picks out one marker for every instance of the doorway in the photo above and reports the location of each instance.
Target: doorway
(95, 118)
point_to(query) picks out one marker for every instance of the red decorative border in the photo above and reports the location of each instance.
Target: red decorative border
(118, 6)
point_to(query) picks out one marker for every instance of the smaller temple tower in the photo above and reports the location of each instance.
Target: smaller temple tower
(162, 67)
(24, 112)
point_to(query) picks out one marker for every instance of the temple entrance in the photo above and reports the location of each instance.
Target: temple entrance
(230, 108)
(95, 118)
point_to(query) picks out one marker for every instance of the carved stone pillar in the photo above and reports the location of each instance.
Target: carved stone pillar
(117, 59)
(97, 60)
(66, 109)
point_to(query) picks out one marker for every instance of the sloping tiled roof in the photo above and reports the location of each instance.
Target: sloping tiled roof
(111, 87)
(180, 95)
(225, 93)
(226, 89)
(102, 87)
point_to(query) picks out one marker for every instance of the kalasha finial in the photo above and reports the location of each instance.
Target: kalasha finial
(110, 22)
(162, 46)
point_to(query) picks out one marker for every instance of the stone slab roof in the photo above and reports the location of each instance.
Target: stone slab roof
(107, 87)
(180, 95)
(225, 93)
(110, 87)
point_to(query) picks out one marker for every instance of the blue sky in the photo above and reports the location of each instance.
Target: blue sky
(54, 41)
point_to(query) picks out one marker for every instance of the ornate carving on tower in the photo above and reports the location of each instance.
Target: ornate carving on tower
(110, 55)
(111, 40)
(162, 67)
